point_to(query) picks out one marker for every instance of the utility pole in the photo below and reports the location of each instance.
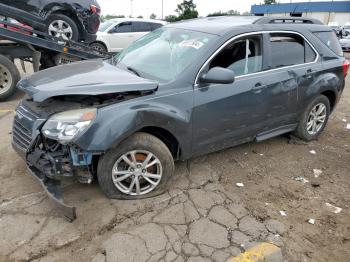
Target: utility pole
(162, 9)
(131, 8)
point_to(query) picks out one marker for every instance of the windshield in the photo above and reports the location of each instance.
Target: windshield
(164, 53)
(104, 26)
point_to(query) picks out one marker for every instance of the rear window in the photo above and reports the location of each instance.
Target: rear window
(330, 39)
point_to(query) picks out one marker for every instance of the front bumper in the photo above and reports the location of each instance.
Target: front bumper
(52, 187)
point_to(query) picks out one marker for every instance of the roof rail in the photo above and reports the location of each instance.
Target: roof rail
(287, 20)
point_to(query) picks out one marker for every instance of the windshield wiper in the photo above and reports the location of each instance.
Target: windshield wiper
(133, 70)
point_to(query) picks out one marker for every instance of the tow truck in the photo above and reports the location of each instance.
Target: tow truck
(38, 48)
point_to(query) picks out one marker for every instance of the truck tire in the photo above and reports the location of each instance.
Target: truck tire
(139, 167)
(9, 76)
(314, 119)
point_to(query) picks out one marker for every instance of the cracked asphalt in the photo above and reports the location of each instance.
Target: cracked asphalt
(203, 217)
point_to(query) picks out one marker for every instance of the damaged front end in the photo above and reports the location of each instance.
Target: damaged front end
(46, 144)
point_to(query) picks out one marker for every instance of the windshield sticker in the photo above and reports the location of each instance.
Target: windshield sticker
(191, 43)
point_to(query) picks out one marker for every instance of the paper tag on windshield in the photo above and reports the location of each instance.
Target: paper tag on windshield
(191, 43)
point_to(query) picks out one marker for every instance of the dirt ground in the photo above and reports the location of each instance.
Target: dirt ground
(31, 229)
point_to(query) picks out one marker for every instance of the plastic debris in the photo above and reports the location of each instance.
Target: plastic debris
(240, 184)
(311, 221)
(261, 154)
(317, 172)
(347, 126)
(283, 213)
(313, 152)
(344, 120)
(333, 208)
(301, 179)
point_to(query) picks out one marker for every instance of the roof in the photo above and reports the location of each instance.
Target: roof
(137, 20)
(330, 6)
(216, 24)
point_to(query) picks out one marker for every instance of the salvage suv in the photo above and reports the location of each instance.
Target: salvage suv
(183, 90)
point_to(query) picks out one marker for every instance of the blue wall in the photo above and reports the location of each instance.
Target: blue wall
(338, 6)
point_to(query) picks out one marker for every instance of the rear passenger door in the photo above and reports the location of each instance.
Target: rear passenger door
(140, 29)
(291, 69)
(121, 36)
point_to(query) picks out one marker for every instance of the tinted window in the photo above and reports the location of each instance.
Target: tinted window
(155, 26)
(289, 49)
(141, 27)
(243, 56)
(124, 27)
(330, 39)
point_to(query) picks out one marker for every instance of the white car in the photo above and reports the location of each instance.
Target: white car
(116, 34)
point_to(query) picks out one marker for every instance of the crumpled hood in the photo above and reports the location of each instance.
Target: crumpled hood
(93, 77)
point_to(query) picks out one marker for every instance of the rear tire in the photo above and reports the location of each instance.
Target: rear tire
(310, 125)
(112, 167)
(62, 26)
(99, 47)
(9, 77)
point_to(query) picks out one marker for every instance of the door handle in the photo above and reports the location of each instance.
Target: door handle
(257, 88)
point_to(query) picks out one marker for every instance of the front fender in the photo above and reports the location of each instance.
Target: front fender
(115, 123)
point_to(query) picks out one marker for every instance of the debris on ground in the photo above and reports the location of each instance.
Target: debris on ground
(333, 208)
(311, 221)
(313, 152)
(315, 183)
(283, 213)
(344, 120)
(301, 179)
(240, 184)
(317, 172)
(348, 126)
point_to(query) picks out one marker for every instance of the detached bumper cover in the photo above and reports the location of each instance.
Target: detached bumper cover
(52, 187)
(54, 190)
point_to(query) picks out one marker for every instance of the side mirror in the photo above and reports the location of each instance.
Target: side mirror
(218, 75)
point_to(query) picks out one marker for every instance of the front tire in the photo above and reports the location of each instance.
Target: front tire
(314, 119)
(99, 47)
(139, 167)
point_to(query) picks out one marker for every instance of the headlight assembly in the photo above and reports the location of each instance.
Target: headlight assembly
(65, 126)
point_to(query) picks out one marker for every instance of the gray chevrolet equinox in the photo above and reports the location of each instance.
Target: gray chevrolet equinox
(184, 90)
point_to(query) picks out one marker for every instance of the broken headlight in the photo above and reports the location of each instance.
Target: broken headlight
(64, 126)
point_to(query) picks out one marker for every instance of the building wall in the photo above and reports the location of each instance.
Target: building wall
(324, 17)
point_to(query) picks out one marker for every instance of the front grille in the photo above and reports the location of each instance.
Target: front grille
(29, 114)
(21, 135)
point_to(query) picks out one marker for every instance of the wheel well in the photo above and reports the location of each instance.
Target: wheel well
(331, 97)
(167, 138)
(70, 15)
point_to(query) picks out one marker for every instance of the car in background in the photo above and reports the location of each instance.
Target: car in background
(14, 28)
(76, 20)
(345, 43)
(346, 29)
(116, 34)
(335, 27)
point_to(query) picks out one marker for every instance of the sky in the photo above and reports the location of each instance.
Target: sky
(146, 7)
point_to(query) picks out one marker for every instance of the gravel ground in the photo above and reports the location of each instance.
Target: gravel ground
(204, 217)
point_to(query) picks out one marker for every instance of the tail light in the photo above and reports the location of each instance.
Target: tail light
(94, 9)
(346, 66)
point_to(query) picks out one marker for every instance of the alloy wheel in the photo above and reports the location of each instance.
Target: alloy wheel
(5, 79)
(316, 119)
(60, 29)
(137, 172)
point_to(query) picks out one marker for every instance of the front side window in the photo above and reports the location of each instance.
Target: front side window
(164, 53)
(243, 56)
(289, 49)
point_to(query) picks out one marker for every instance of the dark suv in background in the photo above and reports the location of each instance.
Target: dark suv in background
(76, 20)
(183, 90)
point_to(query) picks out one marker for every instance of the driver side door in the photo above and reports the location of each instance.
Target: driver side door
(225, 115)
